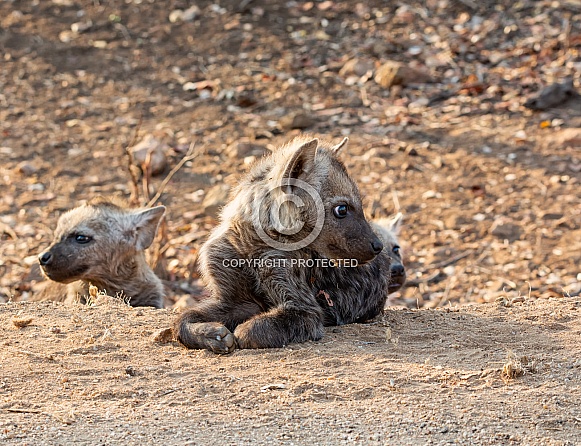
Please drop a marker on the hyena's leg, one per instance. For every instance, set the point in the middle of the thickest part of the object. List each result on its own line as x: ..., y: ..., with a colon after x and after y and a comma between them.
x: 279, y: 327
x: 208, y: 325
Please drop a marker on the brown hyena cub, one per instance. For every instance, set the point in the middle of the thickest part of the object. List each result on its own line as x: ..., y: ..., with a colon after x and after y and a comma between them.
x: 293, y: 253
x: 102, y: 244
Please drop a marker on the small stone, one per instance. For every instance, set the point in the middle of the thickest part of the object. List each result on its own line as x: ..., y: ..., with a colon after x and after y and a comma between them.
x: 157, y: 161
x: 431, y: 194
x: 573, y: 289
x: 396, y: 73
x: 411, y: 151
x: 191, y: 13
x: 552, y: 96
x: 505, y: 230
x: 162, y: 336
x: 552, y: 216
x: 356, y: 66
x: 21, y: 322
x: 101, y: 44
x: 246, y: 99
x: 242, y: 149
x: 176, y: 15
x: 450, y: 270
x: 80, y: 27
x: 190, y: 86
x: 67, y: 36
x: 296, y: 120
x: 26, y: 169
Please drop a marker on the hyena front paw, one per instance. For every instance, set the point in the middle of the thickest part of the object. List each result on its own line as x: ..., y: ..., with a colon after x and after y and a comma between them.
x: 212, y: 336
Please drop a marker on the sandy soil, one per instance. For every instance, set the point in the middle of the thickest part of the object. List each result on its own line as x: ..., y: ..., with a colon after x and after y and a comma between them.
x: 490, y: 191
x: 93, y: 375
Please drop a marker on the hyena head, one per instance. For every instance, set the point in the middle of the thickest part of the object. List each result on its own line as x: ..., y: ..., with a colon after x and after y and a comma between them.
x: 99, y: 241
x: 388, y: 231
x: 315, y: 192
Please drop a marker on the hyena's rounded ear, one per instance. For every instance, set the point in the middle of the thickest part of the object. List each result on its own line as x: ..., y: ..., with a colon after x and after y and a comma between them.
x: 145, y: 224
x: 337, y: 148
x: 302, y: 160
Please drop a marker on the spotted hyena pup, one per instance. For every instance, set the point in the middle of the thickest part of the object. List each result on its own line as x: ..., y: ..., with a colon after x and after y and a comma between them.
x: 102, y: 244
x: 271, y: 281
x: 388, y: 230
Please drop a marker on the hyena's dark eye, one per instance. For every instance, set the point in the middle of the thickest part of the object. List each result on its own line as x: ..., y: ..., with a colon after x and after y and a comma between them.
x: 340, y: 211
x: 82, y: 239
x: 396, y: 249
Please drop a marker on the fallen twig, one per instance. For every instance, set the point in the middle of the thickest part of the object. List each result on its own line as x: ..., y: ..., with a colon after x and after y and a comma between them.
x: 11, y: 409
x: 63, y: 419
x: 8, y: 230
x: 146, y: 178
x: 130, y: 162
x: 33, y: 354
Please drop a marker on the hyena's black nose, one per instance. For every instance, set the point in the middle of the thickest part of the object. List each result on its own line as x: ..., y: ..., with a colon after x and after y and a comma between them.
x: 397, y: 270
x: 376, y: 246
x: 45, y: 258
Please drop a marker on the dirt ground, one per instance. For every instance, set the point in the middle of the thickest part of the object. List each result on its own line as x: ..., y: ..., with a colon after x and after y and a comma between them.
x: 93, y: 375
x: 490, y: 191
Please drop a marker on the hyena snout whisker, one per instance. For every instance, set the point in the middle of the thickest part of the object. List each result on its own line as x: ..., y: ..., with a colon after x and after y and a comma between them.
x: 45, y: 258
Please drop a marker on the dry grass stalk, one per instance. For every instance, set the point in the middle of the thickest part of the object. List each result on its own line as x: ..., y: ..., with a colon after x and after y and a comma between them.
x: 517, y: 366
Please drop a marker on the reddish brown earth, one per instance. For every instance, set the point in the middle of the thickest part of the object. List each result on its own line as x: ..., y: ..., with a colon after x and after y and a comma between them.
x: 490, y: 191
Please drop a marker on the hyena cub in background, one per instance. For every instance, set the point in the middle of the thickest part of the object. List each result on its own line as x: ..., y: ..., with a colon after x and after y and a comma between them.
x: 267, y: 288
x: 388, y: 230
x: 102, y: 244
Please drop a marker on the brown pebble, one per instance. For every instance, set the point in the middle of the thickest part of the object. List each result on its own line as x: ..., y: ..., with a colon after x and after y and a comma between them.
x: 296, y: 120
x: 21, y: 322
x: 27, y: 169
x: 162, y: 336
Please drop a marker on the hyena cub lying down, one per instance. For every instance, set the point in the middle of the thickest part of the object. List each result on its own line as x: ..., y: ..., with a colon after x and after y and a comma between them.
x: 272, y: 285
x: 102, y: 244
